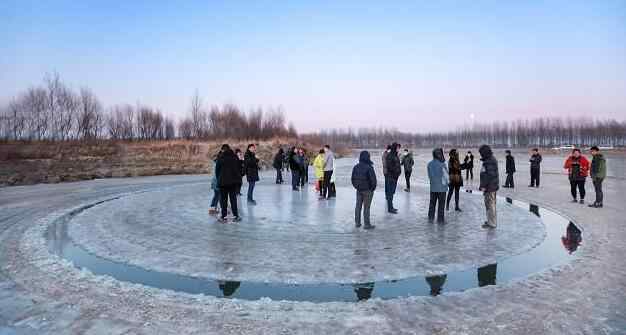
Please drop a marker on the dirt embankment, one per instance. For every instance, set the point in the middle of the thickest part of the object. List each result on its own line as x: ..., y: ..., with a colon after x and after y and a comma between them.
x: 32, y: 163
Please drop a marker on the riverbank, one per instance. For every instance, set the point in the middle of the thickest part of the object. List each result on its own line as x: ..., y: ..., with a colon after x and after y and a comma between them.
x: 49, y: 162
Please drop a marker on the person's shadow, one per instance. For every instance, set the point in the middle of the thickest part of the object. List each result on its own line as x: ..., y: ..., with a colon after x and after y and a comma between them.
x: 572, y: 239
x: 487, y: 275
x: 534, y: 209
x: 363, y: 290
x: 436, y: 284
x: 228, y: 288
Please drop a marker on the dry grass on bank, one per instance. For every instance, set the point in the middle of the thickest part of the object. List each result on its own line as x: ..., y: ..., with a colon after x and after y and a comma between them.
x: 23, y: 163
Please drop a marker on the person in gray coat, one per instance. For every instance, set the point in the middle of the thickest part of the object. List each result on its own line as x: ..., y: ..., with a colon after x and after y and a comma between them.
x: 407, y: 163
x: 329, y: 164
x: 438, y: 176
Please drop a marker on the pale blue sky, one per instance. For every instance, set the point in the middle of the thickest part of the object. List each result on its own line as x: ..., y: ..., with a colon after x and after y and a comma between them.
x: 414, y: 65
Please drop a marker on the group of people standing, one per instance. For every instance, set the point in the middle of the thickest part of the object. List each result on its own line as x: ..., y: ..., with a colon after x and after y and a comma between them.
x: 448, y: 178
x: 298, y: 163
x: 578, y: 169
x: 230, y: 168
x: 324, y: 168
x: 445, y: 178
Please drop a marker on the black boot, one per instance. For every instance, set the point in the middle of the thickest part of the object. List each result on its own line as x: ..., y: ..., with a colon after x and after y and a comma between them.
x: 390, y: 208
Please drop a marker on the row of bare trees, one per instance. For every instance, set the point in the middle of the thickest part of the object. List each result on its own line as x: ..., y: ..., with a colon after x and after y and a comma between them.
x: 55, y: 112
x: 52, y: 112
x: 229, y: 121
x: 541, y: 132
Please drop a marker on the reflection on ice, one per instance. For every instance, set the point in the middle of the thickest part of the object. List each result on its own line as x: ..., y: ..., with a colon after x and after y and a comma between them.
x: 547, y: 254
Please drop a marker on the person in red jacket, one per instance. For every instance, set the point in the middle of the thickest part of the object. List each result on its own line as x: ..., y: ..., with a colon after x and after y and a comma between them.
x: 577, y: 169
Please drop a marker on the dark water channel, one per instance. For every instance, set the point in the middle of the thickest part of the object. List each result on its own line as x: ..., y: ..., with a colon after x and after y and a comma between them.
x: 562, y: 240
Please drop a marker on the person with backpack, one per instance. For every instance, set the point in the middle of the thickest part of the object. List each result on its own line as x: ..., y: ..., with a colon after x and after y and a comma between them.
x: 394, y: 169
x: 489, y: 184
x: 455, y: 171
x: 278, y: 165
x: 535, y: 168
x: 598, y: 173
x: 407, y: 163
x: 364, y: 181
x: 439, y: 179
x: 577, y: 167
x: 251, y: 168
x: 228, y: 171
x: 510, y: 170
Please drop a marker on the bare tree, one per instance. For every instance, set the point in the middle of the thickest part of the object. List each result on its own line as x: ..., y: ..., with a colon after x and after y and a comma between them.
x: 53, y: 87
x: 69, y: 107
x: 16, y: 120
x: 198, y: 117
x: 90, y: 120
x: 169, y: 129
x: 185, y: 129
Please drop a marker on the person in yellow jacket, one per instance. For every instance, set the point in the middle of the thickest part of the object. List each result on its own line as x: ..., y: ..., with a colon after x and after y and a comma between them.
x: 318, y: 164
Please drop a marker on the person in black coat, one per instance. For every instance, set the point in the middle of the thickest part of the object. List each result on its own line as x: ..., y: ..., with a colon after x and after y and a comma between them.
x: 364, y: 181
x: 469, y: 162
x: 228, y: 170
x: 535, y: 168
x: 294, y: 166
x: 251, y: 168
x: 278, y: 165
x: 394, y: 169
x: 510, y: 170
x: 489, y: 184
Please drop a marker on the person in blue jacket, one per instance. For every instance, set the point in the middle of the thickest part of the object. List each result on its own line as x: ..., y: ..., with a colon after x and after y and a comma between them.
x: 439, y: 180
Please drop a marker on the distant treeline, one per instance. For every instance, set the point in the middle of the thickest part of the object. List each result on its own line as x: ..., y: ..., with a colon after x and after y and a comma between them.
x: 55, y: 112
x: 541, y: 132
